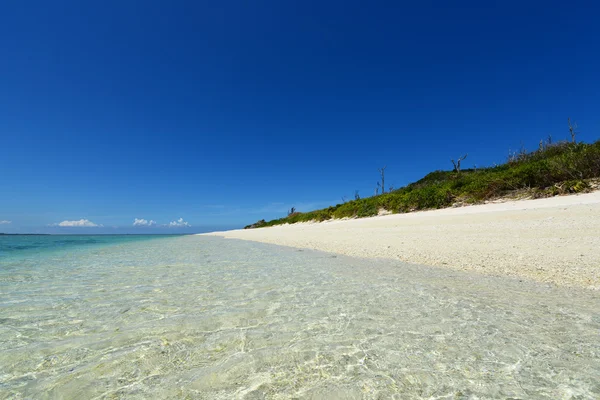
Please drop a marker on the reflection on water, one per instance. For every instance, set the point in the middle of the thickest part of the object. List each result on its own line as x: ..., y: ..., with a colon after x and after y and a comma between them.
x: 202, y: 317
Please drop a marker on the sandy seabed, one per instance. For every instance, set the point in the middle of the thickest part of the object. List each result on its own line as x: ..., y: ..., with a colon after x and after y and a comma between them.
x: 554, y: 240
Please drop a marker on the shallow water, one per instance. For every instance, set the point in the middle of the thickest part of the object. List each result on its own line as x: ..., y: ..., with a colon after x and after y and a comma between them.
x: 208, y: 318
x: 23, y: 246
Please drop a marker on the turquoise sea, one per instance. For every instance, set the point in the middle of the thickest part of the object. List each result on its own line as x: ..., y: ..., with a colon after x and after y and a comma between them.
x: 139, y: 317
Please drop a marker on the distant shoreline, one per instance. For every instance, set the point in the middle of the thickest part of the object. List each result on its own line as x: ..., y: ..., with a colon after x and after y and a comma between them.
x: 551, y: 240
x: 24, y: 234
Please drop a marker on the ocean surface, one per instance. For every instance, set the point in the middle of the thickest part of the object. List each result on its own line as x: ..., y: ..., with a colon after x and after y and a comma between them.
x: 193, y: 317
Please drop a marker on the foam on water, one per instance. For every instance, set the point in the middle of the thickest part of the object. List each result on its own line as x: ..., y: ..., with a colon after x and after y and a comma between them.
x: 203, y: 317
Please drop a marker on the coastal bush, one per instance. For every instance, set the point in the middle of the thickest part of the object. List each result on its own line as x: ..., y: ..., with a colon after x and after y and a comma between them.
x: 575, y: 186
x: 367, y: 209
x: 425, y: 197
x: 258, y: 224
x: 553, y: 169
x: 349, y: 209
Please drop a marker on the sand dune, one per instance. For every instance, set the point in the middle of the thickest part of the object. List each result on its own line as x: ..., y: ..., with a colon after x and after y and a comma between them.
x: 554, y: 240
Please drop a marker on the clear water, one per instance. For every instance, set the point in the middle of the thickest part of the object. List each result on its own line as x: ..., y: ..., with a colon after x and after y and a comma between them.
x: 22, y: 246
x: 208, y: 318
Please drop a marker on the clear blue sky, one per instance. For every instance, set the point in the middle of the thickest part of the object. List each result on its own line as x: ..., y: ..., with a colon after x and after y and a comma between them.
x: 221, y: 113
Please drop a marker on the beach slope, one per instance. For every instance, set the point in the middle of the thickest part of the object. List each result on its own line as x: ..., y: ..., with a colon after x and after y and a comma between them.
x: 554, y: 240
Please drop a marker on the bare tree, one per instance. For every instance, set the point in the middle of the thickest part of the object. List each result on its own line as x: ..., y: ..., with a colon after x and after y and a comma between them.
x: 291, y: 211
x: 382, y: 172
x: 344, y: 199
x: 356, y: 195
x: 457, y: 163
x: 572, y: 130
x: 377, y: 189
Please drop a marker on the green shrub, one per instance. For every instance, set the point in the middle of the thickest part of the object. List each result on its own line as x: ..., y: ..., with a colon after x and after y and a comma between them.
x: 576, y: 186
x: 367, y: 209
x: 430, y: 197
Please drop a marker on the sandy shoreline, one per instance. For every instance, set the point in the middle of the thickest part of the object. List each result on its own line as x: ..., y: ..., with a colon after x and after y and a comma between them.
x: 554, y: 240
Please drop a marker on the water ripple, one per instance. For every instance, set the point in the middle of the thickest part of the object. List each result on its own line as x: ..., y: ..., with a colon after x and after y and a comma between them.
x: 156, y: 319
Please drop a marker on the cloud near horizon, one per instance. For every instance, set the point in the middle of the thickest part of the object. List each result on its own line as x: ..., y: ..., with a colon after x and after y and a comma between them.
x: 179, y: 223
x: 82, y: 223
x: 5, y: 222
x: 143, y: 222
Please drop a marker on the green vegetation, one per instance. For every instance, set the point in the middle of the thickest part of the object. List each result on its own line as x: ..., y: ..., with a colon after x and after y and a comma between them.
x: 555, y: 168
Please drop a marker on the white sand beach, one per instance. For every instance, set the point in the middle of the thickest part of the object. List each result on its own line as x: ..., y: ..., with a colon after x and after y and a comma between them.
x: 554, y: 240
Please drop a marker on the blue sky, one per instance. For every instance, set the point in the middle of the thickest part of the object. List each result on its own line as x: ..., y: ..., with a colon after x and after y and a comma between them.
x: 217, y: 114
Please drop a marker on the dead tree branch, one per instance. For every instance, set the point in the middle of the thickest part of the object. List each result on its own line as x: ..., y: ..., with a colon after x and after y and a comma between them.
x: 457, y: 163
x: 382, y: 172
x: 572, y: 130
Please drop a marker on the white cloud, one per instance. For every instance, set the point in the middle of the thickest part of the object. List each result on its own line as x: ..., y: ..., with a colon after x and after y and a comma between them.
x: 5, y: 222
x: 179, y: 223
x: 82, y: 223
x: 143, y: 222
